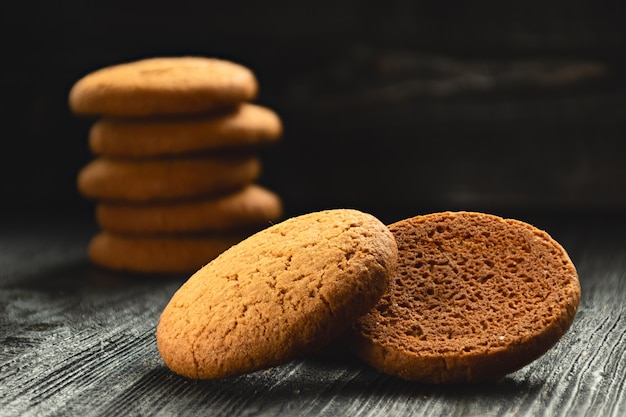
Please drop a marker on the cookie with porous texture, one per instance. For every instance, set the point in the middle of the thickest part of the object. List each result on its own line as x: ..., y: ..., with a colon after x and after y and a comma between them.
x: 168, y: 179
x: 159, y: 254
x: 250, y: 208
x: 246, y: 126
x: 283, y: 292
x: 163, y: 86
x: 474, y: 297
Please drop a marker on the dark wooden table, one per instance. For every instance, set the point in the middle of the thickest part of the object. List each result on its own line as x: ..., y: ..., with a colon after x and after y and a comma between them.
x: 76, y: 340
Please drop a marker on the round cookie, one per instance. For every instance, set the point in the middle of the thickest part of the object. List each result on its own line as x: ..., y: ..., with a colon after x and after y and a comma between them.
x: 283, y: 292
x: 246, y: 126
x: 165, y: 179
x: 474, y: 297
x: 250, y: 208
x: 157, y: 254
x: 163, y: 85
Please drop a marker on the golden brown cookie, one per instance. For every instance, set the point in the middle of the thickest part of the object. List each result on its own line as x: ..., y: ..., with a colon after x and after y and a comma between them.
x: 157, y: 254
x: 251, y: 208
x: 163, y: 85
x: 165, y: 179
x: 248, y: 125
x: 283, y: 292
x: 474, y: 297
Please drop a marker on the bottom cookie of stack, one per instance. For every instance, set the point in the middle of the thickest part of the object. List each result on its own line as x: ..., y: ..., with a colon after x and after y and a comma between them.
x: 159, y: 254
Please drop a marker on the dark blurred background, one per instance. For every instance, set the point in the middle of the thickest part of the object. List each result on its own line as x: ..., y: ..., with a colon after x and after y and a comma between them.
x: 396, y: 108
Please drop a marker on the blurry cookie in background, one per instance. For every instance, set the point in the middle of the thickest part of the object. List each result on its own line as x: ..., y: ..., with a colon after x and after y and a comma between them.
x: 246, y: 126
x: 163, y: 86
x: 250, y: 208
x: 158, y: 254
x: 166, y: 179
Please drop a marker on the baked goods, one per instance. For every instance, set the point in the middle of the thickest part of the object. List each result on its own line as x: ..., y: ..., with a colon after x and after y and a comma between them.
x: 158, y: 254
x: 168, y: 179
x: 251, y: 208
x: 474, y: 297
x: 163, y: 85
x: 246, y: 126
x: 175, y: 141
x: 283, y: 292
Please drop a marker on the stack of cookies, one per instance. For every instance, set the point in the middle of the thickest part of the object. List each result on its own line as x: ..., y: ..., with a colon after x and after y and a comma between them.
x: 175, y: 143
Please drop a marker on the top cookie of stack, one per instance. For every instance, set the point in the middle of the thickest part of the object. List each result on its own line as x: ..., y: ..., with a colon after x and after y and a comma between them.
x: 174, y: 169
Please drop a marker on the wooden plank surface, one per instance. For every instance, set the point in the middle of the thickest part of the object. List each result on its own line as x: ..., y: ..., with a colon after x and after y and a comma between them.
x: 79, y: 341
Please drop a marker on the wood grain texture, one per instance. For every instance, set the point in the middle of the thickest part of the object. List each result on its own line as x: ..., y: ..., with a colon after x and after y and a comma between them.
x: 79, y: 341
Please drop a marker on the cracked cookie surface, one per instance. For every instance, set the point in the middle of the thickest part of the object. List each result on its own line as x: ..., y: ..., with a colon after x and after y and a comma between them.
x: 283, y: 292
